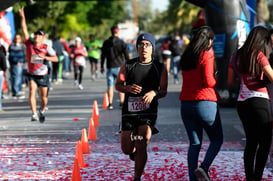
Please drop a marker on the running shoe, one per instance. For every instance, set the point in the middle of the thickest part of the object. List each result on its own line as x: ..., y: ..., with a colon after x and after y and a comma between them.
x: 201, y: 174
x: 132, y: 156
x: 110, y: 107
x: 42, y: 116
x: 80, y: 87
x: 93, y: 77
x: 34, y: 117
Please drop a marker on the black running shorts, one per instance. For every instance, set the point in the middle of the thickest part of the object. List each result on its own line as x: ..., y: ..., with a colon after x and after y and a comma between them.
x: 40, y: 80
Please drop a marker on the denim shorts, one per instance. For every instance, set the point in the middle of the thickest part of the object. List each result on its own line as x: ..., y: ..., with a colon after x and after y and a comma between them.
x: 112, y: 74
x: 40, y: 80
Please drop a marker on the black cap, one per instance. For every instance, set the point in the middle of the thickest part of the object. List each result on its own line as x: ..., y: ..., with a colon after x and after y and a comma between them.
x: 39, y: 32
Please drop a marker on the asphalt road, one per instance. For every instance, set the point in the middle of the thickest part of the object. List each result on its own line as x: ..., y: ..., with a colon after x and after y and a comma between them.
x: 69, y: 112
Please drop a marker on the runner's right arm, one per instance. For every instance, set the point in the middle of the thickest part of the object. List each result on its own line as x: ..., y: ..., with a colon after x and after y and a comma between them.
x: 24, y: 24
x: 120, y: 83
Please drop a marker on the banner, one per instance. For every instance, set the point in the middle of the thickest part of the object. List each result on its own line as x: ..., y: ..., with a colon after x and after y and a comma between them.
x: 7, y: 30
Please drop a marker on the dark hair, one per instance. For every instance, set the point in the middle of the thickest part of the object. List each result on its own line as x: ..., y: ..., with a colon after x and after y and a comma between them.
x: 39, y: 32
x: 198, y: 43
x: 271, y: 31
x: 257, y: 41
x: 91, y: 36
x: 114, y: 29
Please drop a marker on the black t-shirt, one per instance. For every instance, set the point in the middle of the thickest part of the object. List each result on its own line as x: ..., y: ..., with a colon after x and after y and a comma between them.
x: 115, y: 51
x: 146, y: 75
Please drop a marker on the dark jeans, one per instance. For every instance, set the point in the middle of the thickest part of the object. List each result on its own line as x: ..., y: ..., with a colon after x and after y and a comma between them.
x: 16, y: 78
x: 176, y: 66
x: 198, y: 116
x: 255, y: 114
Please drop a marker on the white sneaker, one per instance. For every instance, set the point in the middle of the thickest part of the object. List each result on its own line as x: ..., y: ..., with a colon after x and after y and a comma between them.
x: 80, y: 87
x: 66, y: 74
x: 21, y: 93
x: 21, y: 97
x: 34, y: 117
x: 93, y: 77
x: 75, y: 82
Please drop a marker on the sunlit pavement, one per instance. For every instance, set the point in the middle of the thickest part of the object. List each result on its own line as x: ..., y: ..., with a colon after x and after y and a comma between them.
x: 35, y: 151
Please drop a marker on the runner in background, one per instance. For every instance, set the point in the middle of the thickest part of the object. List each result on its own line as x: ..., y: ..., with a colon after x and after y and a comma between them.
x: 93, y: 47
x: 37, y: 55
x: 78, y: 53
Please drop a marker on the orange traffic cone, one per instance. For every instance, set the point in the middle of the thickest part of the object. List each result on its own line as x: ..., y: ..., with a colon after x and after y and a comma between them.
x: 96, y: 113
x: 76, y: 173
x: 92, y: 131
x: 84, y: 140
x: 105, y: 101
x: 79, y: 154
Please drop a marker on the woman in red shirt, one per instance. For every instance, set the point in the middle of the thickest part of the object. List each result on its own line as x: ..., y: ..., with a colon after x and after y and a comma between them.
x: 199, y: 108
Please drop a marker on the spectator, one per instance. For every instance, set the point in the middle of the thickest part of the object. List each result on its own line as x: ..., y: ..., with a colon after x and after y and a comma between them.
x: 199, y: 108
x: 176, y: 52
x: 17, y: 54
x: 166, y: 53
x: 3, y: 67
x: 115, y: 51
x: 66, y: 53
x: 251, y: 63
x: 57, y: 74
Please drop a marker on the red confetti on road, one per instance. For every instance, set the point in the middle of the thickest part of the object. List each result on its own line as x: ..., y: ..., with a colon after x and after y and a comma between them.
x: 37, y: 158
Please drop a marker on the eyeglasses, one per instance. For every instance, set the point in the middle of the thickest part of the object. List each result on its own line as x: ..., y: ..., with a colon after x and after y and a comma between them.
x: 144, y: 45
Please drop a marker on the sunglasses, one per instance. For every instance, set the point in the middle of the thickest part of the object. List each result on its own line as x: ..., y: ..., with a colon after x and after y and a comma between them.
x: 144, y: 45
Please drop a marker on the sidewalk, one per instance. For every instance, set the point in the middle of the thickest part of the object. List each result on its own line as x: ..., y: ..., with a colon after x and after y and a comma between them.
x: 35, y: 151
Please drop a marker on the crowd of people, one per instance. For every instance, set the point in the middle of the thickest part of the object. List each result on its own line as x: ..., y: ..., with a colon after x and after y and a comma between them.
x: 140, y: 81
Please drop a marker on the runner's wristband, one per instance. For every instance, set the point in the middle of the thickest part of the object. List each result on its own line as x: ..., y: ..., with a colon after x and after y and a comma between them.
x: 156, y: 92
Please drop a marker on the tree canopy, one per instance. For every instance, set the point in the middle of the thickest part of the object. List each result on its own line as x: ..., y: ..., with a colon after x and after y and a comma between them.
x: 73, y: 18
x: 81, y: 18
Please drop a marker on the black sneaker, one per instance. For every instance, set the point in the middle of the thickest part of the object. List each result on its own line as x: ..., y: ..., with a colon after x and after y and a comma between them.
x: 201, y: 174
x: 132, y: 156
x: 137, y: 179
x: 42, y: 116
x: 110, y: 107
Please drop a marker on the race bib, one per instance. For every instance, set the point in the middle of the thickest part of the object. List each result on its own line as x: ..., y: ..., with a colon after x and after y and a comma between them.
x: 80, y: 61
x: 136, y: 104
x: 36, y: 59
